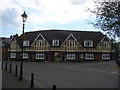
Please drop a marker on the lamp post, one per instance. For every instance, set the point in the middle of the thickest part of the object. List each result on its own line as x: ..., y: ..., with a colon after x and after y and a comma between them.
x: 24, y: 17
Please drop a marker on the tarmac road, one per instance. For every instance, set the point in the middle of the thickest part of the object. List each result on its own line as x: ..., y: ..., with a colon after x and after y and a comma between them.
x: 72, y: 74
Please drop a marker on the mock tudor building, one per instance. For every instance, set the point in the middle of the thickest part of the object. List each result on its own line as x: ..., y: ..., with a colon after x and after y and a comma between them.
x: 61, y: 45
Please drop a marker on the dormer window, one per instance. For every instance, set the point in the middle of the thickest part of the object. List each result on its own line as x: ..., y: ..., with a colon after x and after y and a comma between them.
x: 26, y: 43
x: 55, y: 42
x: 88, y: 43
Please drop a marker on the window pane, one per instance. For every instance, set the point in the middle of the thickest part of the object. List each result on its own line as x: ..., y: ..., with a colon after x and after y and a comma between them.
x: 12, y: 55
x: 88, y: 43
x: 25, y: 55
x: 55, y: 42
x: 25, y: 43
x: 106, y: 56
x: 70, y: 56
x: 89, y: 56
x: 40, y: 56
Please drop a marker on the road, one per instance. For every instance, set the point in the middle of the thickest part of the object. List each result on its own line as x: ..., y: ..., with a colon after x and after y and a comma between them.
x: 71, y: 74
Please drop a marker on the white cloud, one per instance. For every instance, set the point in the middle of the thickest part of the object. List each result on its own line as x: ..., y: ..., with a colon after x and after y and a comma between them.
x: 61, y: 11
x: 5, y: 4
x: 39, y: 28
x: 9, y: 14
x: 36, y: 29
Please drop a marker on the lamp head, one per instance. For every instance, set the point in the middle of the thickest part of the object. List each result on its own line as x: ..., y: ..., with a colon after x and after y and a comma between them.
x: 24, y: 16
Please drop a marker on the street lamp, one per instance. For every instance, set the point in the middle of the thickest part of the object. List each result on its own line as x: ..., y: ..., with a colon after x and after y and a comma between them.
x: 24, y: 17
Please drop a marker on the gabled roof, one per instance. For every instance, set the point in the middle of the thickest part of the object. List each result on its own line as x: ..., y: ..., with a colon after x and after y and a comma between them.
x: 71, y: 37
x: 38, y: 37
x: 62, y: 35
x: 17, y: 39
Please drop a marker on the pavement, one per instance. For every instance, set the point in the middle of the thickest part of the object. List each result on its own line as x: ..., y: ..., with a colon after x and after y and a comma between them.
x: 9, y: 80
x: 115, y: 68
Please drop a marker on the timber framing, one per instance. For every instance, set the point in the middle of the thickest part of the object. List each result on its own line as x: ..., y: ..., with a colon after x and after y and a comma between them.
x: 70, y: 46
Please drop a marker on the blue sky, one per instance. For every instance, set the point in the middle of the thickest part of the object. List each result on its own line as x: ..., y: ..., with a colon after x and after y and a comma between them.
x: 45, y: 15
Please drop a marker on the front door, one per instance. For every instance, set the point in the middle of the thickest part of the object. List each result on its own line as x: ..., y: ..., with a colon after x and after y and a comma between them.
x: 57, y: 56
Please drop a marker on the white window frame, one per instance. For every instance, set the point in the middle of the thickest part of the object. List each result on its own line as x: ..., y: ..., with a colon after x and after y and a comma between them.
x: 89, y: 56
x: 71, y: 56
x: 39, y: 55
x: 25, y: 56
x: 12, y: 55
x: 90, y: 43
x: 55, y: 42
x: 105, y: 56
x: 26, y: 43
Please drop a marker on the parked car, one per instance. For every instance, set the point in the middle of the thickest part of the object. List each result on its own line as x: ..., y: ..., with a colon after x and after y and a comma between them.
x: 118, y: 61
